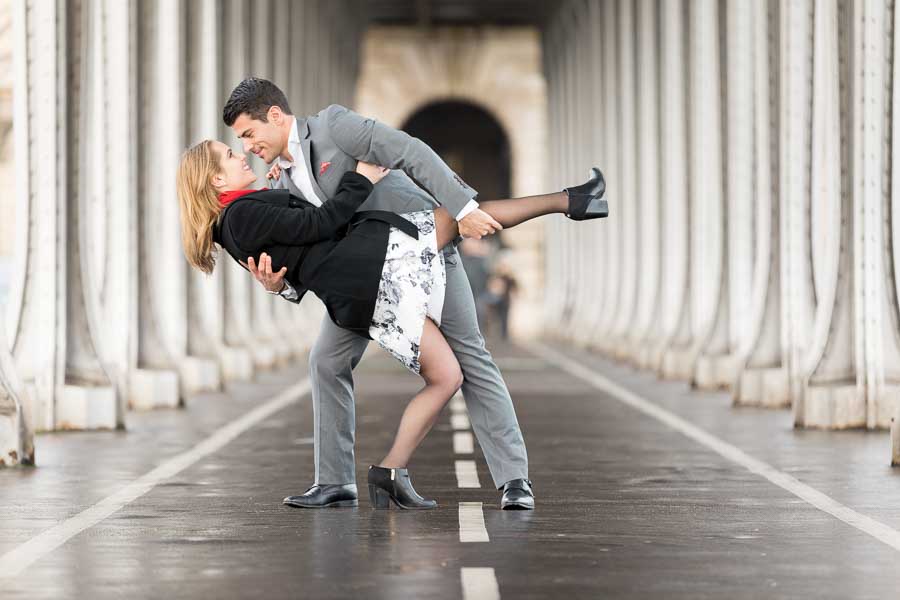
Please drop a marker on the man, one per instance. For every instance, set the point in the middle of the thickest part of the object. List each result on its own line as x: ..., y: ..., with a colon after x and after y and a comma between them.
x: 313, y: 153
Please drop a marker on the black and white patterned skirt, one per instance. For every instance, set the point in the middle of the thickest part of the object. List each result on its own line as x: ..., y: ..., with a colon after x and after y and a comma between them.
x: 412, y: 289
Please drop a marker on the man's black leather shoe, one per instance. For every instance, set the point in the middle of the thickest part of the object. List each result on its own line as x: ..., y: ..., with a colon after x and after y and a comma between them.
x: 588, y: 200
x: 517, y: 495
x: 325, y: 496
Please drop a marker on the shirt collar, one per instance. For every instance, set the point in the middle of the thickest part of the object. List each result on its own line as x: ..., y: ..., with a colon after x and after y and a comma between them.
x: 293, y: 147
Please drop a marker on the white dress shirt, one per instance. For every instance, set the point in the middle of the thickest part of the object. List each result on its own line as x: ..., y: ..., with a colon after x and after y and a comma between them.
x: 301, y: 177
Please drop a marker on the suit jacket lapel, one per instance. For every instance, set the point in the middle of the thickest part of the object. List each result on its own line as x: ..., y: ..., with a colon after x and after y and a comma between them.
x: 307, y: 158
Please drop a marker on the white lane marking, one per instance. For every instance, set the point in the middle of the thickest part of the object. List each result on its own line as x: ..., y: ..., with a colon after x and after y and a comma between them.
x: 21, y: 557
x: 459, y: 421
x: 471, y: 523
x: 827, y: 504
x: 463, y: 443
x: 467, y: 474
x: 479, y: 583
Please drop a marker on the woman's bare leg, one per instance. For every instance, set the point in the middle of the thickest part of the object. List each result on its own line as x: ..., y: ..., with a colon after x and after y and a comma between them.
x: 508, y: 213
x: 439, y: 367
x: 443, y: 376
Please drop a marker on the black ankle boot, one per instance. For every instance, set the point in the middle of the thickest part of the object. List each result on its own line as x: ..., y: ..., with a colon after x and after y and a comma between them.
x: 588, y: 200
x: 386, y: 485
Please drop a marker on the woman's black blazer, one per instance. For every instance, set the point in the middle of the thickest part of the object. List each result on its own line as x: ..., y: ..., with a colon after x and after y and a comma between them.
x: 332, y: 250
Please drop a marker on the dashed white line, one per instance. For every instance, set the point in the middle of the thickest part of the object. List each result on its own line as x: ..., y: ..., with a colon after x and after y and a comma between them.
x: 21, y: 557
x: 876, y: 529
x: 467, y: 474
x: 479, y: 583
x: 471, y: 523
x: 463, y: 442
x: 457, y: 404
x: 459, y: 421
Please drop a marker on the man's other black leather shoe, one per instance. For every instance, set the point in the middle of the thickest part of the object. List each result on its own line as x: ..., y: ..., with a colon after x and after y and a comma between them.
x: 325, y: 496
x: 517, y: 495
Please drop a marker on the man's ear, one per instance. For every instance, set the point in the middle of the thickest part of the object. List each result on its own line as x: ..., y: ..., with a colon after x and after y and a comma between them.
x: 275, y: 115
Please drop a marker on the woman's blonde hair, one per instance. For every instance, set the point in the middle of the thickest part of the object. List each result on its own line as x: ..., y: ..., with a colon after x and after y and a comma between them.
x: 198, y: 202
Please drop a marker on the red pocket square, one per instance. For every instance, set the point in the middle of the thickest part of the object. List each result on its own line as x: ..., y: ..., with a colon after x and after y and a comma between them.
x: 323, y: 167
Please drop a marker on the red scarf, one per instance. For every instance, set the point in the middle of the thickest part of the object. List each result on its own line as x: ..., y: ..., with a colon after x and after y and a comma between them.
x: 226, y: 198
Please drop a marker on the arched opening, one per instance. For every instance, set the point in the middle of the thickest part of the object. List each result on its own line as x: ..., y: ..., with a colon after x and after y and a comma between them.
x: 474, y: 145
x: 470, y: 140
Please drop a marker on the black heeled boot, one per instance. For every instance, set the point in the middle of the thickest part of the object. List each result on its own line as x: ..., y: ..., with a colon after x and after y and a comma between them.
x: 386, y: 485
x: 588, y: 200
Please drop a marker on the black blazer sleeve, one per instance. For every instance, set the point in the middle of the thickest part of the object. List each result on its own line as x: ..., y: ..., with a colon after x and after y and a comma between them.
x: 261, y: 223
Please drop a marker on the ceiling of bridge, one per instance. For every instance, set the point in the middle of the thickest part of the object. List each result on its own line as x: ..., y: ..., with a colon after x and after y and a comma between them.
x: 459, y: 12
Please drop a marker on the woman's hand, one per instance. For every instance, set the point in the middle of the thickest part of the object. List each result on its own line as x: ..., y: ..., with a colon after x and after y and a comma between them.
x: 373, y: 173
x: 274, y: 173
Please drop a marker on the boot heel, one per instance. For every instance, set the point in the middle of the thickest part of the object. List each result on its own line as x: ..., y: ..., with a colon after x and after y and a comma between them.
x: 379, y: 497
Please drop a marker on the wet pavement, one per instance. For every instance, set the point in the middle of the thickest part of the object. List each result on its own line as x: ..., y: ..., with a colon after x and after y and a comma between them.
x: 627, y: 507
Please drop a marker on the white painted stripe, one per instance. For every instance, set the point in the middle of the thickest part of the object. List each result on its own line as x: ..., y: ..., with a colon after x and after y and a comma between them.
x: 479, y: 583
x: 876, y: 529
x: 21, y: 557
x: 459, y: 421
x: 463, y: 443
x: 467, y: 474
x: 471, y: 523
x: 457, y: 404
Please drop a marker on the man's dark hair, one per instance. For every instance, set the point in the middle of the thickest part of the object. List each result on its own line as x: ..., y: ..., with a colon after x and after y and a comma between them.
x: 254, y: 96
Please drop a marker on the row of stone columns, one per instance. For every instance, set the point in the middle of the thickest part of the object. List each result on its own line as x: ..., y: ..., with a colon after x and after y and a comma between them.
x: 103, y: 312
x: 752, y: 242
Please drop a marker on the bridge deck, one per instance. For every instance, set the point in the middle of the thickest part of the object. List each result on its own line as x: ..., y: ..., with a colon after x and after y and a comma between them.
x: 628, y: 505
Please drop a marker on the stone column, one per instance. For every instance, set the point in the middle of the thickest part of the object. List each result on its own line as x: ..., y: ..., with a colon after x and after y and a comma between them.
x: 284, y: 314
x: 762, y: 379
x: 796, y: 95
x: 612, y: 162
x: 674, y: 316
x: 53, y: 337
x: 649, y: 197
x: 702, y: 357
x: 550, y: 55
x: 16, y: 430
x: 206, y: 293
x: 239, y: 285
x: 627, y: 178
x: 264, y: 16
x: 166, y: 373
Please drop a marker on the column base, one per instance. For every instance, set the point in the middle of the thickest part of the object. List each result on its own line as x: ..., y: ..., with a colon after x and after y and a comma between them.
x: 11, y: 443
x: 264, y: 356
x: 887, y: 407
x: 86, y: 407
x: 199, y: 375
x: 153, y: 388
x: 763, y: 387
x: 715, y: 372
x: 645, y: 356
x: 832, y: 407
x: 677, y: 364
x: 284, y: 353
x: 237, y: 364
x: 895, y: 439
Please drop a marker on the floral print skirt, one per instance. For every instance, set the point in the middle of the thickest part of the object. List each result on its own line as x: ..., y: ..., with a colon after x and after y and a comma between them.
x: 411, y: 289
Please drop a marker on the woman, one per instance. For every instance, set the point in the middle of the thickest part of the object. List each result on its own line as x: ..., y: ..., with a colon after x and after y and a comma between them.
x: 379, y: 274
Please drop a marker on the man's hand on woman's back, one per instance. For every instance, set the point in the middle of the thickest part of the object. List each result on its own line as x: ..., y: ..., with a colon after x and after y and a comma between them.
x: 273, y: 282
